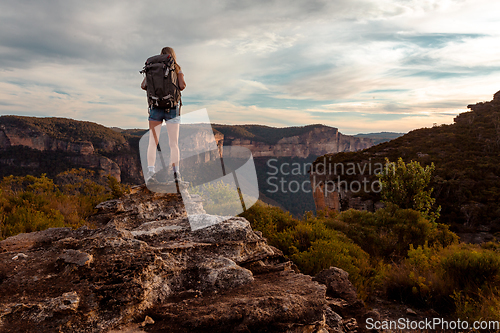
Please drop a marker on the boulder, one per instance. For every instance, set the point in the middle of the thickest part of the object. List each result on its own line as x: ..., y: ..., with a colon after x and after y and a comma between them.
x: 140, y: 259
x: 343, y: 301
x: 337, y: 284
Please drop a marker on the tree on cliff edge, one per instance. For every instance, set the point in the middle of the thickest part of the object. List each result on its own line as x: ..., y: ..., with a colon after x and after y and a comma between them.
x: 407, y: 186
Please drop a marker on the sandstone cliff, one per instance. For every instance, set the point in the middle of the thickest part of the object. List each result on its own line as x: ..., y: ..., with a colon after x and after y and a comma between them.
x: 317, y: 140
x: 466, y: 155
x: 143, y: 269
x: 30, y: 145
x: 83, y: 144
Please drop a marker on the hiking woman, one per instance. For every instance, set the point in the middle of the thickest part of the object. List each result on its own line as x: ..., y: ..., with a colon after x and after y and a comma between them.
x: 171, y: 117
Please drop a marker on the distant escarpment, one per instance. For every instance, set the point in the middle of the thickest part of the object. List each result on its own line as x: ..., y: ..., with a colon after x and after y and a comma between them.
x: 52, y: 145
x: 30, y: 145
x: 466, y: 180
x: 301, y: 142
x: 279, y: 148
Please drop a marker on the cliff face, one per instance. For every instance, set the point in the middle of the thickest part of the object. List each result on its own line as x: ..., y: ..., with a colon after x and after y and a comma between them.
x: 193, y: 140
x: 82, y: 144
x: 318, y: 141
x: 143, y: 263
x: 111, y: 154
x: 17, y: 133
x: 11, y: 136
x: 466, y: 156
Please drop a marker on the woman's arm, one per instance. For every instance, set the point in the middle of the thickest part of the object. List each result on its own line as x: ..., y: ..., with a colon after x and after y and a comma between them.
x: 180, y: 79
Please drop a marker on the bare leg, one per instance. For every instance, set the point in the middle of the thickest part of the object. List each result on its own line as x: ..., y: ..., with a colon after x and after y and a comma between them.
x: 173, y: 142
x: 154, y: 138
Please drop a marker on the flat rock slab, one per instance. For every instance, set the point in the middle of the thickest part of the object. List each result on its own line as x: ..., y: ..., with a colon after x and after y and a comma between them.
x: 274, y: 302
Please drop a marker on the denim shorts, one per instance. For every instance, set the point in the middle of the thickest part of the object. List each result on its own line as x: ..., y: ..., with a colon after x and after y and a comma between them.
x: 170, y: 115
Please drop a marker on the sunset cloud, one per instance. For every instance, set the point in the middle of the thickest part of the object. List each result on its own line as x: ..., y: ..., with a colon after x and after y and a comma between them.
x: 361, y: 66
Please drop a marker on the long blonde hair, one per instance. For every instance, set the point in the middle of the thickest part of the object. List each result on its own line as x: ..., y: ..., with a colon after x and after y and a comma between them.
x: 169, y: 50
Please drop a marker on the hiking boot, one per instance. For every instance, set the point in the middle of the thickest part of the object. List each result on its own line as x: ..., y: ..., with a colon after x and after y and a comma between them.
x: 151, y: 178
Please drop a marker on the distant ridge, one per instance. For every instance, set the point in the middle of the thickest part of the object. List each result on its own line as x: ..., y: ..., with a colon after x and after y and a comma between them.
x: 380, y: 136
x: 66, y: 129
x: 266, y: 134
x: 51, y: 145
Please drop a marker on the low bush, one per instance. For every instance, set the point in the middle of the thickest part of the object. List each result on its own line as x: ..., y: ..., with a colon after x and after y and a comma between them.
x: 395, y: 251
x: 388, y: 232
x: 460, y: 278
x: 470, y: 267
x: 31, y: 203
x: 269, y: 220
x: 312, y: 246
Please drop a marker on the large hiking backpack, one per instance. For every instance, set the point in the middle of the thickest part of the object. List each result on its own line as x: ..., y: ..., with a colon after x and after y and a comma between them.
x: 161, y: 81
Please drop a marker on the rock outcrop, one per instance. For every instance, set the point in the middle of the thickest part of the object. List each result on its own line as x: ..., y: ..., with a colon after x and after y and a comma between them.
x: 318, y: 141
x: 116, y: 153
x: 111, y: 152
x: 11, y: 136
x: 143, y: 268
x: 16, y: 132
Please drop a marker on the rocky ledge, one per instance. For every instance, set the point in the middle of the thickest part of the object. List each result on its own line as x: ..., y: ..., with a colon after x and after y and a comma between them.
x: 142, y: 269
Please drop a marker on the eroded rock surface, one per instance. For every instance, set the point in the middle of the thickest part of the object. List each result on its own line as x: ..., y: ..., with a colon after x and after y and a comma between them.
x: 142, y: 269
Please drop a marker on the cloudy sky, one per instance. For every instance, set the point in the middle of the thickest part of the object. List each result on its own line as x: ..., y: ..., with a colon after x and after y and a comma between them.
x: 362, y: 66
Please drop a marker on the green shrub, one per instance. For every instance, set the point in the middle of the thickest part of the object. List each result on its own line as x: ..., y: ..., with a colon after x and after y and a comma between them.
x: 389, y: 231
x: 407, y: 186
x: 312, y: 246
x: 27, y: 219
x: 470, y: 267
x: 36, y: 203
x: 117, y: 189
x: 418, y: 280
x: 336, y: 251
x: 302, y: 235
x: 269, y: 220
x: 483, y: 306
x: 86, y: 189
x: 28, y: 205
x: 460, y: 278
